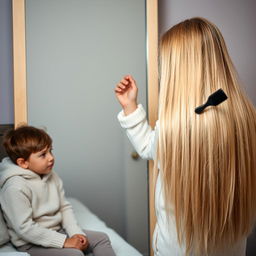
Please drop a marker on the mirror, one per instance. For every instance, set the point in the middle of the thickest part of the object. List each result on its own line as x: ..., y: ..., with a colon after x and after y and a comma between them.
x: 74, y: 54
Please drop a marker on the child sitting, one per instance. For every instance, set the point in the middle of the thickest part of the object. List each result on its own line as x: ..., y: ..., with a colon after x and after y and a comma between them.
x: 40, y: 220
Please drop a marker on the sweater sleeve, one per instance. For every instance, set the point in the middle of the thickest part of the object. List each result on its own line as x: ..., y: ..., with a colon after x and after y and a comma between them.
x: 16, y: 205
x: 69, y: 222
x: 141, y: 135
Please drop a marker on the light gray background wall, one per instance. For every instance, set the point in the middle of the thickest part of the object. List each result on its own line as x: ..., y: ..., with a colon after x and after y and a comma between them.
x: 77, y: 51
x: 6, y: 71
x: 235, y: 18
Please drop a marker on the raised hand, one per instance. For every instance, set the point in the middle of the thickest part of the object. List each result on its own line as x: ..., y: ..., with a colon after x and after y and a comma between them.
x: 126, y: 92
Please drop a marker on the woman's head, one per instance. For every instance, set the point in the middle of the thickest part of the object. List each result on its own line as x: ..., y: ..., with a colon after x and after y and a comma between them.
x: 194, y: 62
x: 207, y: 161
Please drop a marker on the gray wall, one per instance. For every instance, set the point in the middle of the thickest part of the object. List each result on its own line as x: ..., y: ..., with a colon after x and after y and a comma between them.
x: 235, y: 18
x: 6, y: 71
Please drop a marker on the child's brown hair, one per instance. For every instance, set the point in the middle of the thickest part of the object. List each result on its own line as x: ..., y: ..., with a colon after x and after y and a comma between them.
x: 25, y: 140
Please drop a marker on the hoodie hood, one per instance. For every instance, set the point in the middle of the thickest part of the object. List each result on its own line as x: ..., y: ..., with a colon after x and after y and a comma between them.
x: 8, y: 169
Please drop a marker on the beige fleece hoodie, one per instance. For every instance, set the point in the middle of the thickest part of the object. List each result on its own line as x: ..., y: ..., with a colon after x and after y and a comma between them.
x: 35, y: 208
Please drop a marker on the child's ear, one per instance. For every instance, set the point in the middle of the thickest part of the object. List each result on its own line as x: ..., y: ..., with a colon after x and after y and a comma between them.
x: 21, y: 162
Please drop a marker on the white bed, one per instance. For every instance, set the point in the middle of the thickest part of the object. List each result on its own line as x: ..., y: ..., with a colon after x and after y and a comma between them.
x: 88, y: 220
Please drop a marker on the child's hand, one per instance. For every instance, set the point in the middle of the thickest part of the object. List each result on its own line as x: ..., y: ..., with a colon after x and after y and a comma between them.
x: 126, y: 92
x: 74, y: 242
x: 83, y: 240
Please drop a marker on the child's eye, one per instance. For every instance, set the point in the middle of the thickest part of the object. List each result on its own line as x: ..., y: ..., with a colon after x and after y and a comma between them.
x: 43, y: 155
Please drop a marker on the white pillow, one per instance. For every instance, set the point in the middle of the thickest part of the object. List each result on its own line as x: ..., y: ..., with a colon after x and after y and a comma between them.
x: 4, y: 236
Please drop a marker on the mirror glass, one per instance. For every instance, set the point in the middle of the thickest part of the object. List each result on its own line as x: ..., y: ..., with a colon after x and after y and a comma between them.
x: 76, y: 52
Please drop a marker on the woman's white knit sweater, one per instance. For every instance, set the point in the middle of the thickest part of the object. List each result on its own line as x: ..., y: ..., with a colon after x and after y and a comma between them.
x: 35, y: 208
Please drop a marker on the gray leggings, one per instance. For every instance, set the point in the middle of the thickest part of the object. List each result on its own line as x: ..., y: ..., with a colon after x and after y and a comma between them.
x: 99, y: 245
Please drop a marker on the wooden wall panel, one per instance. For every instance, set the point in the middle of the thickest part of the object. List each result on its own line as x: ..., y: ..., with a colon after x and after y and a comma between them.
x: 152, y: 62
x: 19, y: 62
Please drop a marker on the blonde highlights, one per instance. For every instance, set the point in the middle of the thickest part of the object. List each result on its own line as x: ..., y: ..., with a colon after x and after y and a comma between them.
x: 207, y: 161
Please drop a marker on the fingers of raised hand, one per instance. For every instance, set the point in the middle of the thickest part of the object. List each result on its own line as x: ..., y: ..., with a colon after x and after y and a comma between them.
x: 130, y: 79
x: 118, y: 89
x: 121, y: 86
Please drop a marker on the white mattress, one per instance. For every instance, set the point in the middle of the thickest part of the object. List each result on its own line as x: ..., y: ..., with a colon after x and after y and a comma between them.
x: 88, y: 220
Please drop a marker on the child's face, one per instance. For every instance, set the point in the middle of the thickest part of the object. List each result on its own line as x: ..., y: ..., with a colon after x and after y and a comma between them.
x: 41, y: 162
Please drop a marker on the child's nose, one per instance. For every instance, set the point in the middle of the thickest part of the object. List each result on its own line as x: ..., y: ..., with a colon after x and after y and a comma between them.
x: 50, y: 157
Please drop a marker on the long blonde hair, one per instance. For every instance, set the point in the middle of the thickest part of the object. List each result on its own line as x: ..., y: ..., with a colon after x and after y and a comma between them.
x: 207, y: 161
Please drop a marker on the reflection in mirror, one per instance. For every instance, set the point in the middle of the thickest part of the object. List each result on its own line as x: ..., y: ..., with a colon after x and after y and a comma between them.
x: 76, y: 52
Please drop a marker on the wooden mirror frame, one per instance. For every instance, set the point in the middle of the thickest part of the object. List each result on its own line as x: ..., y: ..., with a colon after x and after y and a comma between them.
x: 20, y: 91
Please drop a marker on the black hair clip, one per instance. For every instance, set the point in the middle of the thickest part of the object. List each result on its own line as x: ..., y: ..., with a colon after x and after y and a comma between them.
x: 213, y: 100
